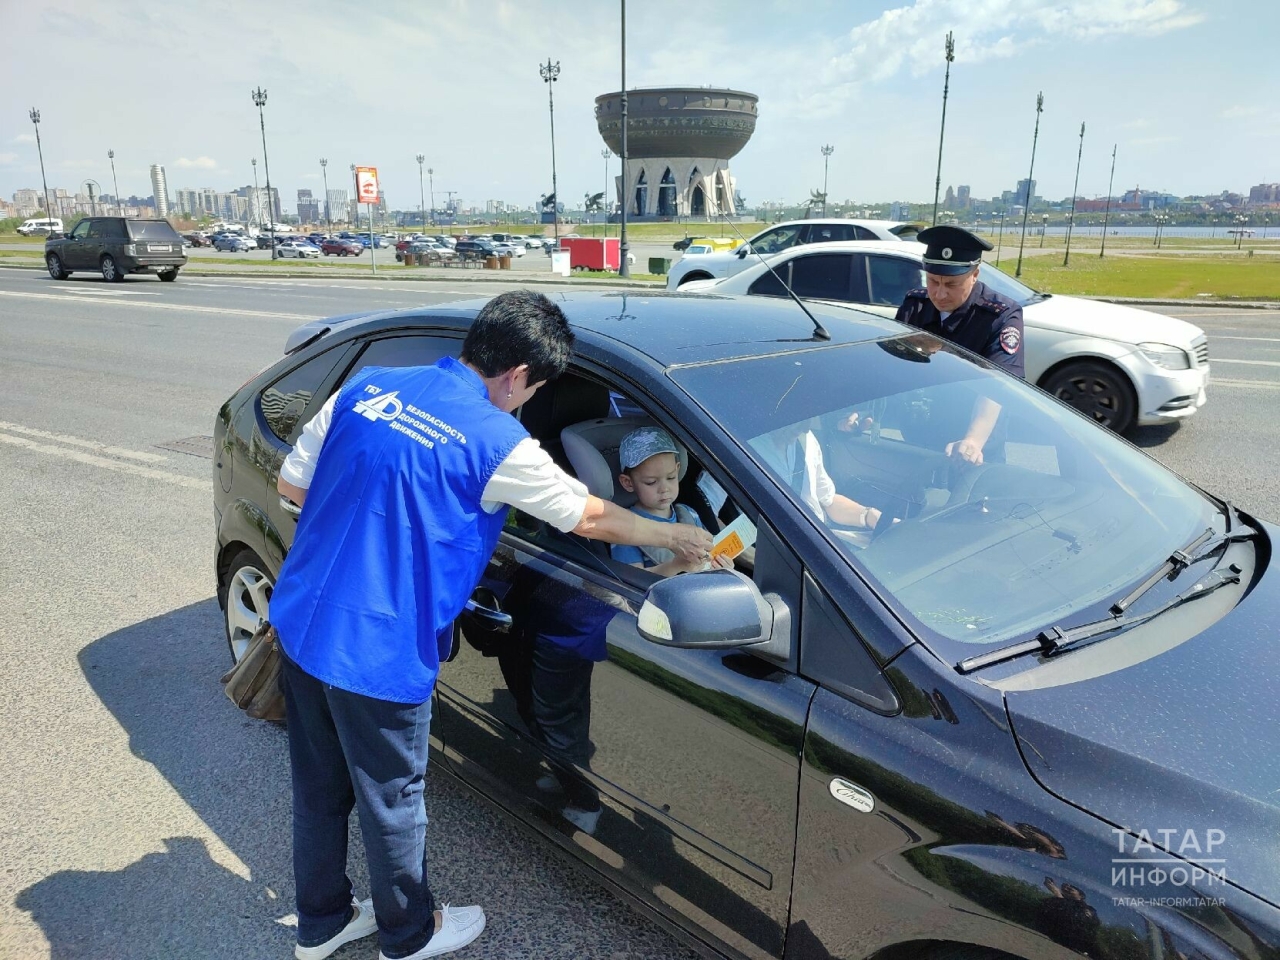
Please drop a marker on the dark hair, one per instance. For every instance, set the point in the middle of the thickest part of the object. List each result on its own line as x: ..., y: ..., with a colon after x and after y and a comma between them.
x: 515, y: 328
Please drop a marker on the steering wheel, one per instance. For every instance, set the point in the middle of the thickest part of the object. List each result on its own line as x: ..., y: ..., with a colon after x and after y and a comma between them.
x: 959, y: 479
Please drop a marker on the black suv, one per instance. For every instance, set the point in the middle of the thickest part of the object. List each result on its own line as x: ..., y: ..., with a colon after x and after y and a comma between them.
x: 475, y: 249
x: 116, y: 246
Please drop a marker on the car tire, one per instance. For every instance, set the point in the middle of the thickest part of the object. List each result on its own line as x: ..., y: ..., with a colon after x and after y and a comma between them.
x: 1097, y: 389
x: 56, y: 269
x: 168, y: 276
x: 245, y: 596
x: 111, y: 271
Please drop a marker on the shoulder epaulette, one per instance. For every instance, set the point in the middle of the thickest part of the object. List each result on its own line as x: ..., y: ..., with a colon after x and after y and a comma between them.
x: 919, y: 293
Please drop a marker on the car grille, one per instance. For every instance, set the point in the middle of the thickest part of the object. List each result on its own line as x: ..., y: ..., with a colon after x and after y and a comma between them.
x: 1201, y: 348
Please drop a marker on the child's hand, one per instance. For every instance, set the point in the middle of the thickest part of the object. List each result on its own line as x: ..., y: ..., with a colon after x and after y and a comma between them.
x: 722, y: 562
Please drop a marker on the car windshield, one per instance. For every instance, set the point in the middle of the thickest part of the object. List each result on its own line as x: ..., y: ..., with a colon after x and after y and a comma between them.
x: 151, y: 230
x: 1005, y: 285
x: 1058, y: 518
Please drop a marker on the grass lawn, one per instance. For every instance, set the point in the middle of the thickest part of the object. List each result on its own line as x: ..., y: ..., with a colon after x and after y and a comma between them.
x: 1174, y: 278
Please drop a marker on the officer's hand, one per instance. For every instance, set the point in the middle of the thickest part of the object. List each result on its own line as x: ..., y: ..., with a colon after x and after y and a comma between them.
x: 855, y: 423
x: 967, y: 450
x: 690, y: 544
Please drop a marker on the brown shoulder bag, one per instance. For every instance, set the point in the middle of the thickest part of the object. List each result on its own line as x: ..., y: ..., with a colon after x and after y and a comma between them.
x: 253, y: 684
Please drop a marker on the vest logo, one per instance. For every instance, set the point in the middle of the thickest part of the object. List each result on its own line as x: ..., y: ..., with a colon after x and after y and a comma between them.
x: 385, y: 406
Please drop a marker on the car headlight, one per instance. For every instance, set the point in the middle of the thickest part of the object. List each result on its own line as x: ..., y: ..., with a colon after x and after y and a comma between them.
x: 130, y: 249
x: 1164, y: 355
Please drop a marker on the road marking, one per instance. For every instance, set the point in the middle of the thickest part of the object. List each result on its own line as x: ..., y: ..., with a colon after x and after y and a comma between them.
x: 160, y: 306
x: 85, y: 289
x: 87, y: 444
x: 130, y: 468
x: 1219, y: 336
x: 1257, y: 384
x: 1252, y: 363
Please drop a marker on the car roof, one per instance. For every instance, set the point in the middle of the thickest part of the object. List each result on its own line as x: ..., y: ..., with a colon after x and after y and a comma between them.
x: 670, y: 328
x: 821, y: 221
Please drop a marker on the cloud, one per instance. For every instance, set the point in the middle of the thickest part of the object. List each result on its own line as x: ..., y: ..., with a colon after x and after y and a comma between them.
x: 8, y: 158
x: 78, y: 164
x: 1241, y: 112
x: 199, y: 163
x: 25, y: 138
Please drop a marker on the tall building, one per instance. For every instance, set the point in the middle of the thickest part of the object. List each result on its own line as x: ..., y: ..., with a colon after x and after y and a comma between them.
x: 160, y: 189
x: 949, y: 202
x: 28, y: 202
x: 1025, y: 193
x: 308, y: 207
x: 1265, y: 193
x: 962, y: 196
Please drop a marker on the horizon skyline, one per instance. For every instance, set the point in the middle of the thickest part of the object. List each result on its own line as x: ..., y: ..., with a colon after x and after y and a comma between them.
x: 868, y: 80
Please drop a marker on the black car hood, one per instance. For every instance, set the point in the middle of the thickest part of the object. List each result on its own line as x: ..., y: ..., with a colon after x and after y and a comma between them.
x: 1188, y: 740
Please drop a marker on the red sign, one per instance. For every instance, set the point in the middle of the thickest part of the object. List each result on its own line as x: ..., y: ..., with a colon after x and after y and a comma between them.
x: 367, y: 184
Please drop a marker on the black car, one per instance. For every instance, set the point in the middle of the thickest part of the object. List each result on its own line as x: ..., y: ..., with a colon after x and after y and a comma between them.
x: 475, y: 249
x: 1030, y: 714
x: 116, y: 247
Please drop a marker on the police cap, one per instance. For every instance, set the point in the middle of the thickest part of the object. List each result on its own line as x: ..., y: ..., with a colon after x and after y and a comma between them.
x: 951, y: 250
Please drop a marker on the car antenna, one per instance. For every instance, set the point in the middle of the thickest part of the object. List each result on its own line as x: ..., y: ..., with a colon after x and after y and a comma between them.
x: 819, y: 331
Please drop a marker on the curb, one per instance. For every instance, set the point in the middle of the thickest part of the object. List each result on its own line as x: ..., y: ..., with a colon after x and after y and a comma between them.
x: 1202, y: 302
x: 508, y: 277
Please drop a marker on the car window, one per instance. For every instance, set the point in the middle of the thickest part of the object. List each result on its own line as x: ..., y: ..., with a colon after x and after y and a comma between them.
x: 415, y: 351
x: 1058, y: 520
x: 151, y: 230
x: 97, y: 229
x: 770, y: 283
x: 865, y: 234
x: 889, y: 279
x: 822, y: 275
x: 81, y: 230
x: 284, y: 401
x: 774, y: 240
x: 1005, y: 285
x: 830, y: 232
x: 905, y: 231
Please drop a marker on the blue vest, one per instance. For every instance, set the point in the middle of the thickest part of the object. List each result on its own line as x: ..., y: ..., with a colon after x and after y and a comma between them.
x: 392, y: 539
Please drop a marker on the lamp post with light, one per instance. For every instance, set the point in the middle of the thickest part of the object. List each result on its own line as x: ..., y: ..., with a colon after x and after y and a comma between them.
x: 111, y: 155
x: 422, y: 200
x: 260, y: 101
x: 550, y: 73
x: 328, y: 214
x: 34, y: 114
x: 1030, y: 174
x: 827, y: 150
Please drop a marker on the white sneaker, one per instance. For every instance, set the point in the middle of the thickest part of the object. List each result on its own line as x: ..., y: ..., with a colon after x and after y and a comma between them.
x: 584, y: 820
x: 459, y: 926
x: 361, y: 924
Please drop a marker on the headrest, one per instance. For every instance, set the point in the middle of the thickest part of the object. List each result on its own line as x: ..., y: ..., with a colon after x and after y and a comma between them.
x: 565, y: 401
x: 592, y: 449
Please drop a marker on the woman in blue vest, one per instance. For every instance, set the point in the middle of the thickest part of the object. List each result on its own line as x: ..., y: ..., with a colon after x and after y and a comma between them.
x: 405, y: 476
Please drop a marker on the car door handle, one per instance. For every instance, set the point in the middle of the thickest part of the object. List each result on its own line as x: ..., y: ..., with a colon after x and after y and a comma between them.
x: 494, y: 618
x: 289, y: 507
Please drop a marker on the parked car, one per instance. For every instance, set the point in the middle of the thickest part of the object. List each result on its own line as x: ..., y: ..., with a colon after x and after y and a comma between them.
x: 781, y: 237
x: 995, y: 728
x: 339, y: 247
x: 475, y: 249
x: 116, y: 247
x: 533, y: 243
x: 233, y: 243
x: 298, y: 249
x: 377, y: 241
x: 316, y: 238
x: 1115, y: 364
x: 197, y: 240
x: 424, y: 248
x: 41, y: 227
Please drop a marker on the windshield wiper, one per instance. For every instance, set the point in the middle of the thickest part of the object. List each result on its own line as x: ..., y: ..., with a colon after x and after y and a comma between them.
x: 1179, y: 560
x: 1055, y: 640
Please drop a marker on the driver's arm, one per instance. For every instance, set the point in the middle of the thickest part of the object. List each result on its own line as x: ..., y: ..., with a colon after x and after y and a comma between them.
x: 969, y: 447
x: 851, y: 513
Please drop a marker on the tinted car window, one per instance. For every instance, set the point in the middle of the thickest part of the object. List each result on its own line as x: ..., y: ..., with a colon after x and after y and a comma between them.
x: 829, y: 232
x: 824, y: 275
x: 152, y: 230
x: 97, y: 229
x: 769, y: 284
x: 404, y: 352
x: 81, y: 230
x: 1060, y: 518
x: 775, y: 240
x: 284, y: 402
x: 890, y: 278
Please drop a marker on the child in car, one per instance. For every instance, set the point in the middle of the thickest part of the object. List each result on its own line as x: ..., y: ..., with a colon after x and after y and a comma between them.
x: 651, y: 470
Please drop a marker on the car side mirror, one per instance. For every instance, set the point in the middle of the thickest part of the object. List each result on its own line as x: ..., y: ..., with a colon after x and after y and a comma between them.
x: 713, y: 609
x: 743, y: 251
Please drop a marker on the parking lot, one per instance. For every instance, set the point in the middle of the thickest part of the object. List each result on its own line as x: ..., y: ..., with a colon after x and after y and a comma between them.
x: 143, y: 791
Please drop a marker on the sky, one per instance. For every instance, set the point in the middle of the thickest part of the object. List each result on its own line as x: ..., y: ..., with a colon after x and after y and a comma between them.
x: 1184, y: 89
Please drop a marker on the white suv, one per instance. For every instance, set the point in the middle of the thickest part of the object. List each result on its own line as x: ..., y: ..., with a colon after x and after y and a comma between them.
x: 784, y: 236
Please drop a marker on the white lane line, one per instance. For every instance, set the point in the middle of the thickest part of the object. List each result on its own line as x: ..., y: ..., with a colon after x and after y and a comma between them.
x: 1252, y: 363
x: 1254, y: 384
x: 1219, y: 336
x: 130, y: 468
x: 87, y: 444
x: 160, y: 306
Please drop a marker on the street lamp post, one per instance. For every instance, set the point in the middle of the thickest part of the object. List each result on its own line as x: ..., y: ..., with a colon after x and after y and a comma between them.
x: 255, y: 207
x: 1107, y: 216
x: 623, y: 249
x: 1044, y: 228
x: 328, y: 214
x: 260, y: 101
x: 93, y: 206
x: 605, y: 154
x: 111, y: 155
x: 1241, y: 220
x: 431, y: 188
x: 1076, y: 186
x: 827, y: 150
x: 48, y: 209
x: 1000, y: 239
x: 946, y: 86
x: 422, y: 200
x: 550, y: 73
x: 1030, y: 173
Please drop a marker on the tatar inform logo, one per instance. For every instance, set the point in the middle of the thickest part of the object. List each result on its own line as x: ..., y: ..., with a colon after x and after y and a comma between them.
x: 385, y: 406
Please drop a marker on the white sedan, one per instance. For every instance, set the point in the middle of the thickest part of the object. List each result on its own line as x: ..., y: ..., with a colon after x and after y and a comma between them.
x: 300, y: 249
x: 1118, y: 365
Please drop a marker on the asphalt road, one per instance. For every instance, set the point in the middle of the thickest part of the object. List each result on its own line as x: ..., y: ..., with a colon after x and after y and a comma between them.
x: 147, y: 818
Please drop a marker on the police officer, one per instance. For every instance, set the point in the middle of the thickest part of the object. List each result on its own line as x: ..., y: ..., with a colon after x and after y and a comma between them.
x: 405, y: 477
x: 956, y: 306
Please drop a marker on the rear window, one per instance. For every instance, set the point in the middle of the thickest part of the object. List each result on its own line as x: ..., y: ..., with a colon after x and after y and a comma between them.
x: 152, y: 230
x: 905, y: 231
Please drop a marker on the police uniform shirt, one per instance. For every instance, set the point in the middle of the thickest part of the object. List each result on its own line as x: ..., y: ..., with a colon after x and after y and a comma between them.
x: 987, y: 324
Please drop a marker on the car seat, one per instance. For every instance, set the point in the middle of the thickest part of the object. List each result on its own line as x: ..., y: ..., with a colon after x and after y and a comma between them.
x: 591, y: 447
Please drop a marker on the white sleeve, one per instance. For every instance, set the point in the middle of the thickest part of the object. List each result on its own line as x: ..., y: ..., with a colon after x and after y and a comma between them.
x: 300, y: 466
x: 529, y: 480
x: 823, y: 486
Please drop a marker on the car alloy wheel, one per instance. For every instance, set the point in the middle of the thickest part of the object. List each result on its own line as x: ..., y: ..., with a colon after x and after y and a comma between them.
x: 110, y: 270
x: 247, y: 600
x: 54, y: 263
x: 1098, y: 390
